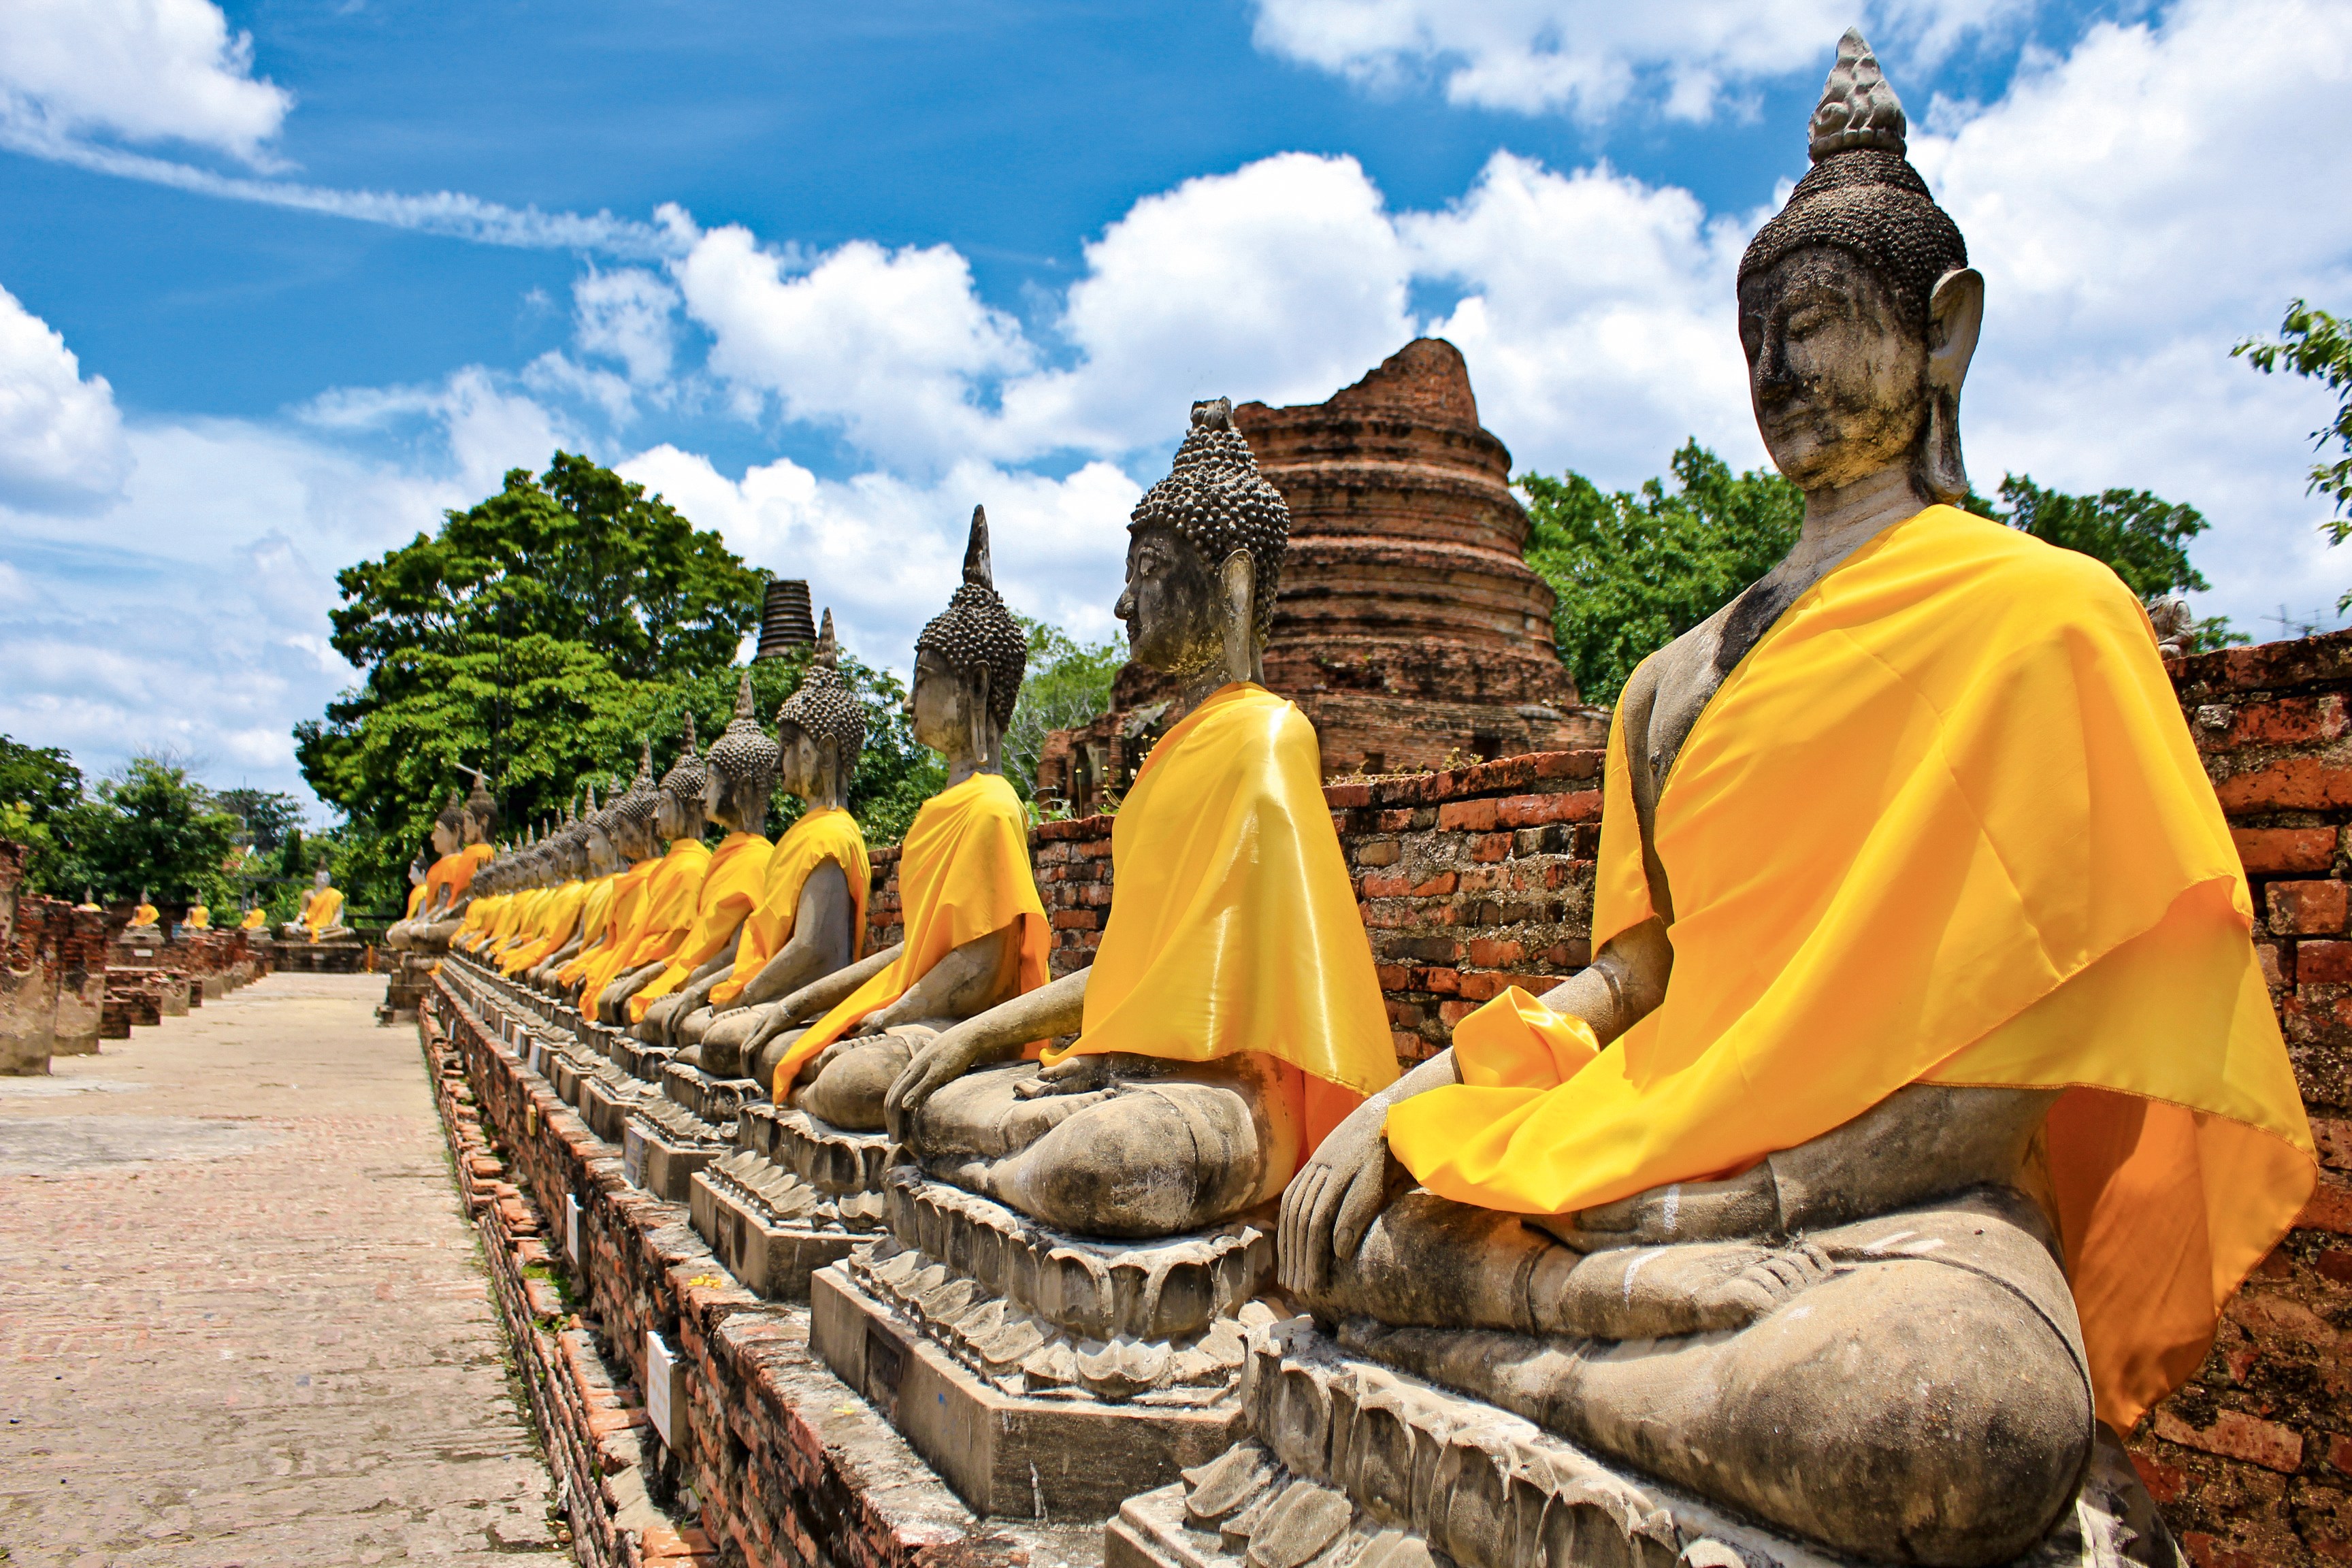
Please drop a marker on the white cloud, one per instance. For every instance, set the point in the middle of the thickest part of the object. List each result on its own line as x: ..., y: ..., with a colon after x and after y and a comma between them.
x: 627, y: 315
x: 890, y: 347
x: 60, y: 437
x: 884, y: 551
x: 1593, y: 58
x: 145, y: 70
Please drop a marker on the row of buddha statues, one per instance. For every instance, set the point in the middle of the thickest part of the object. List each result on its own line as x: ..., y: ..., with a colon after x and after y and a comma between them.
x: 319, y: 918
x: 1919, y: 1108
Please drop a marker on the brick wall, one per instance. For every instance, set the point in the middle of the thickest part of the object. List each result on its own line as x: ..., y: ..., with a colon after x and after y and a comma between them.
x: 30, y: 928
x: 2253, y: 1459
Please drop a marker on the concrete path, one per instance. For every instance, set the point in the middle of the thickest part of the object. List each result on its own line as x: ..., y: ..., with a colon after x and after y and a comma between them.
x: 242, y: 1320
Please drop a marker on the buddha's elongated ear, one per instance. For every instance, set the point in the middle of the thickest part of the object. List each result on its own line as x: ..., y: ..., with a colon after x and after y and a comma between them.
x: 1955, y: 319
x: 979, y: 717
x: 1237, y: 577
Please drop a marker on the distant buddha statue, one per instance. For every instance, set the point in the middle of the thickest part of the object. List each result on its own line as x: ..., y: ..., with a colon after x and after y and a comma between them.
x: 590, y: 857
x: 88, y: 902
x: 461, y: 836
x: 255, y: 919
x: 1924, y: 1100
x: 321, y: 916
x: 975, y: 927
x: 628, y: 828
x: 415, y: 888
x: 1231, y: 1016
x: 808, y: 921
x: 199, y: 918
x: 143, y: 915
x: 672, y: 899
x: 557, y: 919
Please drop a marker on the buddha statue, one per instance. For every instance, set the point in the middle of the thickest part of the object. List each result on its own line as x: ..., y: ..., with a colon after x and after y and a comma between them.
x: 255, y: 919
x: 975, y: 926
x: 416, y: 869
x: 199, y: 918
x: 672, y: 900
x: 143, y: 915
x: 1231, y: 1015
x: 1844, y: 1189
x: 628, y: 828
x: 320, y: 919
x: 809, y: 920
x: 590, y: 856
x: 554, y: 915
x: 461, y: 838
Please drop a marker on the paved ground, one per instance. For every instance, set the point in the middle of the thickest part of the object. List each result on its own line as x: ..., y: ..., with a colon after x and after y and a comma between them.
x: 242, y: 1320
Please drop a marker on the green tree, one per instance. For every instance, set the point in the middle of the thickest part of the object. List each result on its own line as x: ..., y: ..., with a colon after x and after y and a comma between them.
x: 533, y: 637
x: 1066, y: 684
x: 1635, y: 570
x: 42, y: 780
x: 269, y: 817
x: 2315, y: 344
x: 154, y: 827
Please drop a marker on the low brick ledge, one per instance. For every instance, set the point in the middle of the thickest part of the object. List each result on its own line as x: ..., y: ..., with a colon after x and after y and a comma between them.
x: 783, y: 1466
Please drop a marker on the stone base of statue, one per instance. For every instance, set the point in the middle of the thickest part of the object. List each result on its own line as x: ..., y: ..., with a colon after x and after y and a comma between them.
x: 344, y: 955
x: 403, y: 987
x: 1351, y: 1465
x: 609, y: 1096
x: 1043, y: 1375
x: 796, y: 1195
x: 663, y: 1145
x: 714, y: 1100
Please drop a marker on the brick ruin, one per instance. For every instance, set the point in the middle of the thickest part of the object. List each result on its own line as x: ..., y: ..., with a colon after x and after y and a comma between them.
x: 1408, y: 628
x: 1469, y: 879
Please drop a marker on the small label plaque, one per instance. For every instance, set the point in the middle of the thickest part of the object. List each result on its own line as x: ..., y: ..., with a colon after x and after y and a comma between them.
x: 572, y: 1228
x: 665, y: 1389
x: 633, y: 1154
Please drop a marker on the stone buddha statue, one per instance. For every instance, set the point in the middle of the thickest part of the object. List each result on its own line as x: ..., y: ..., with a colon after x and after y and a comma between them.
x: 590, y: 858
x: 432, y: 894
x: 322, y: 910
x: 809, y: 921
x: 975, y: 926
x: 199, y: 918
x: 673, y: 895
x: 628, y: 828
x: 255, y: 919
x: 1231, y: 1016
x: 1790, y: 1197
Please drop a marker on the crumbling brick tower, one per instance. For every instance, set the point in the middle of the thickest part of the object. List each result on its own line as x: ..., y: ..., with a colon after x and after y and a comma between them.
x: 1409, y: 626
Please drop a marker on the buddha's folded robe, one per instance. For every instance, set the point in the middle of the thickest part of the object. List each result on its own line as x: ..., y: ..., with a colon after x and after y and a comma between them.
x: 415, y: 899
x: 145, y: 915
x: 661, y: 917
x: 476, y: 925
x: 1235, y: 927
x: 1944, y: 823
x: 255, y: 919
x: 963, y: 873
x: 620, y: 913
x: 830, y: 834
x: 325, y: 906
x: 558, y: 918
x: 730, y: 885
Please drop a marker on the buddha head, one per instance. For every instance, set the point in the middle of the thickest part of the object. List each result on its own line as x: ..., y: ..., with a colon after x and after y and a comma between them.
x: 1858, y: 310
x: 416, y: 869
x: 1204, y: 558
x: 677, y: 805
x: 481, y: 812
x: 630, y: 819
x: 740, y: 774
x: 320, y: 880
x: 968, y: 667
x: 450, y: 827
x: 598, y: 851
x: 820, y: 730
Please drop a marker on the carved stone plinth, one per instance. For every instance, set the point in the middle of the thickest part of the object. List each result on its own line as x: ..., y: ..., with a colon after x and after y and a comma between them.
x: 796, y: 1195
x: 714, y: 1100
x: 1034, y: 1368
x: 1351, y: 1465
x: 608, y: 1097
x: 662, y: 1146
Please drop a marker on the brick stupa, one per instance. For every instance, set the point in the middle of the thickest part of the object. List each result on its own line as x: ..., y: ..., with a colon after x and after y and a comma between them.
x: 1410, y: 627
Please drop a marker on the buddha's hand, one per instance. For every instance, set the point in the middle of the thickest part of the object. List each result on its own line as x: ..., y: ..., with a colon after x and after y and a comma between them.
x: 946, y: 1059
x: 1745, y: 1208
x: 1659, y: 1293
x: 1333, y: 1200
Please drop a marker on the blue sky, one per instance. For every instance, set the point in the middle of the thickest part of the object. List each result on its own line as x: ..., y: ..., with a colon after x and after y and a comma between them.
x: 827, y: 276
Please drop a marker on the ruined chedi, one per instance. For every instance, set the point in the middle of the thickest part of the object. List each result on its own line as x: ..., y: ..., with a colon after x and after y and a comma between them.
x: 1410, y: 629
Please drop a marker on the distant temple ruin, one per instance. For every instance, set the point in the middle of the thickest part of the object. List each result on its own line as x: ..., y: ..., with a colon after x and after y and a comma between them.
x: 1410, y: 627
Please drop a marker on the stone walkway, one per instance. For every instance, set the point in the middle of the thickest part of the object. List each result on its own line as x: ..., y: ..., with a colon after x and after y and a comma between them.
x: 241, y: 1322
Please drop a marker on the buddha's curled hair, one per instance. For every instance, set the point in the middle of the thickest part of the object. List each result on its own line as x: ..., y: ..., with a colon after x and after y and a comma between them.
x: 976, y: 632
x: 637, y: 802
x: 743, y: 755
x: 1862, y: 194
x: 1215, y: 500
x: 685, y: 779
x: 826, y: 708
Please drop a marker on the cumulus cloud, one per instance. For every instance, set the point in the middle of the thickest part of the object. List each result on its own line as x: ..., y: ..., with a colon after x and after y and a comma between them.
x: 627, y: 315
x: 1595, y: 58
x: 60, y: 436
x: 144, y: 70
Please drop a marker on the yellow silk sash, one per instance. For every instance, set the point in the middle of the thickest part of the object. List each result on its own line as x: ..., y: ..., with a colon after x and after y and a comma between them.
x: 663, y: 912
x: 620, y: 913
x: 557, y: 919
x: 963, y: 873
x: 830, y: 834
x: 255, y: 920
x: 1942, y: 823
x: 416, y: 898
x: 1235, y: 925
x: 199, y: 918
x: 144, y: 915
x: 325, y: 905
x: 729, y: 888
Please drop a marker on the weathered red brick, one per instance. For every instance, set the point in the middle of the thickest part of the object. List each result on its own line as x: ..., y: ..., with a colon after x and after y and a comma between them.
x: 2234, y: 1435
x: 1381, y: 852
x: 2164, y: 1482
x: 2334, y: 1140
x: 1436, y: 887
x: 2206, y: 1551
x: 2330, y: 1208
x: 2267, y: 851
x: 1491, y: 846
x: 2289, y: 721
x: 1468, y: 815
x: 2292, y: 783
x: 2308, y: 908
x: 2323, y: 963
x: 1490, y: 952
x: 1077, y: 920
x: 1386, y: 886
x: 1534, y: 810
x: 2277, y: 964
x: 1343, y: 795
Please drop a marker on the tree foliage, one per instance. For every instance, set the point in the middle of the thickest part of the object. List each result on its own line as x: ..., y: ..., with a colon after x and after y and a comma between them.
x: 1067, y: 684
x: 154, y: 827
x: 2316, y: 344
x: 40, y: 781
x: 1635, y: 569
